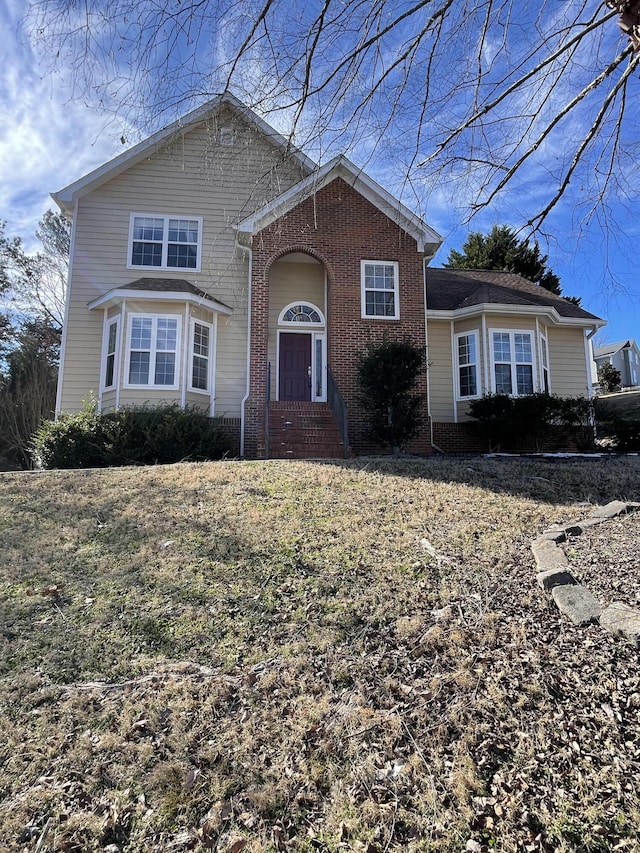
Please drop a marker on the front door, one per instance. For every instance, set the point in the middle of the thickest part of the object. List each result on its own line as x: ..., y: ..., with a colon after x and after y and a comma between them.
x: 295, y: 366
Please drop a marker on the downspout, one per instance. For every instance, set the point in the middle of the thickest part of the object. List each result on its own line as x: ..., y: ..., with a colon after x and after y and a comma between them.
x: 67, y: 301
x: 248, y: 391
x: 426, y: 344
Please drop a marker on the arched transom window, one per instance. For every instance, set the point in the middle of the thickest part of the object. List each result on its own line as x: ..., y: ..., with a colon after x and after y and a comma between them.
x: 301, y: 312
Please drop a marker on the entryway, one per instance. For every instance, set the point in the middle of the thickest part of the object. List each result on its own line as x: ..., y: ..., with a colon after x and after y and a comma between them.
x: 295, y: 366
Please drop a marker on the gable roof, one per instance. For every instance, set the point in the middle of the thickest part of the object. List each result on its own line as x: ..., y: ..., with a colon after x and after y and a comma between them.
x: 428, y: 240
x: 66, y: 197
x: 453, y: 290
x: 607, y: 350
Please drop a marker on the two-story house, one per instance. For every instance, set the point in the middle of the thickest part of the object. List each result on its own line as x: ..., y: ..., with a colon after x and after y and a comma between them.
x: 215, y: 265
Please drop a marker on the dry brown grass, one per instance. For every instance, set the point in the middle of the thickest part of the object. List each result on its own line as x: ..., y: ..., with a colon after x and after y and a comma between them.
x: 307, y: 657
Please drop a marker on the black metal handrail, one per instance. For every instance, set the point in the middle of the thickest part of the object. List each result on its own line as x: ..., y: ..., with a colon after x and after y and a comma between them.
x: 266, y: 412
x: 339, y: 409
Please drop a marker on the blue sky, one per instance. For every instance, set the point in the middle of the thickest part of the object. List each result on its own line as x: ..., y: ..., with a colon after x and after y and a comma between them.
x: 50, y: 136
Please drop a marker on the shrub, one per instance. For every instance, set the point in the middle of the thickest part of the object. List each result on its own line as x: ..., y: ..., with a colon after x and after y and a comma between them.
x: 609, y: 377
x: 137, y: 435
x: 533, y: 422
x: 387, y: 374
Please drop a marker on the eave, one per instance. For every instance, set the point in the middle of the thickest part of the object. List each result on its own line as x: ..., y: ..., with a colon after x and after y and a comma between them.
x: 528, y: 310
x: 113, y: 297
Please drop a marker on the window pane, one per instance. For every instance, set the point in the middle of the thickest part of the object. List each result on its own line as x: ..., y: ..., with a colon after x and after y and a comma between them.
x: 146, y: 255
x: 379, y: 304
x: 200, y: 373
x: 467, y: 349
x: 108, y: 379
x: 319, y: 367
x: 201, y: 339
x: 182, y: 256
x: 167, y: 335
x: 141, y: 332
x: 522, y: 346
x: 501, y: 346
x: 113, y: 330
x: 148, y: 228
x: 165, y: 368
x: 139, y: 368
x: 379, y: 276
x: 468, y: 386
x: 503, y: 379
x: 524, y: 378
x: 183, y: 231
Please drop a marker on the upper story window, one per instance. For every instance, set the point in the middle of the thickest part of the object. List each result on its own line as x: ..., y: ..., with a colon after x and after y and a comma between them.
x: 512, y: 354
x: 380, y: 297
x: 467, y: 365
x: 165, y: 242
x: 152, y: 351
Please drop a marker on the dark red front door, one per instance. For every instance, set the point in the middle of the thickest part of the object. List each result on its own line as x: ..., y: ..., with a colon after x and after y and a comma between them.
x: 295, y: 362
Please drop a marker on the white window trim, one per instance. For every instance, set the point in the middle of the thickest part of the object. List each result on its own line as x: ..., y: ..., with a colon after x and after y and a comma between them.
x: 514, y: 382
x: 153, y: 351
x: 165, y: 241
x: 472, y: 333
x: 363, y: 290
x: 192, y: 331
x: 108, y: 322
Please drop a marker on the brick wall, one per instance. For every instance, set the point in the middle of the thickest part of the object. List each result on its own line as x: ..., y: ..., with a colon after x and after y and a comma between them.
x: 340, y: 228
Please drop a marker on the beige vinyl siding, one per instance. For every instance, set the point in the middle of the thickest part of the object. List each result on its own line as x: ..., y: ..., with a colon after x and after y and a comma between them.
x: 195, y: 176
x: 291, y: 282
x: 567, y: 362
x: 441, y: 394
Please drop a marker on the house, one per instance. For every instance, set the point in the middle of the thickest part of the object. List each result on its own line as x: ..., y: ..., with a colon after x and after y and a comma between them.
x: 215, y: 265
x: 624, y: 356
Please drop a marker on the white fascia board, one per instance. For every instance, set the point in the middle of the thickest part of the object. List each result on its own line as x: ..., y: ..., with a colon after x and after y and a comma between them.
x: 528, y: 310
x: 112, y: 297
x: 340, y: 167
x: 64, y: 198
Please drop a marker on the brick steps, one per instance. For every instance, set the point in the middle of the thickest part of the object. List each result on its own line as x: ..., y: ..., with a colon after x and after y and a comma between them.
x: 303, y: 430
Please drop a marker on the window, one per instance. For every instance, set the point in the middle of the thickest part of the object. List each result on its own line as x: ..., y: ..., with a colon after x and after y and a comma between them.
x: 544, y: 357
x: 165, y: 242
x: 301, y: 313
x: 111, y: 347
x: 153, y: 351
x: 512, y: 362
x: 467, y: 355
x: 380, y: 290
x: 201, y: 338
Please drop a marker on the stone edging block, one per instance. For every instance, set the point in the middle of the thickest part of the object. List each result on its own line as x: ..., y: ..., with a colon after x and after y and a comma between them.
x: 573, y: 598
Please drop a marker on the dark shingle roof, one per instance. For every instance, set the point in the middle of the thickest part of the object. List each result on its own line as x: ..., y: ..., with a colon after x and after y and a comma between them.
x: 449, y: 290
x: 170, y: 285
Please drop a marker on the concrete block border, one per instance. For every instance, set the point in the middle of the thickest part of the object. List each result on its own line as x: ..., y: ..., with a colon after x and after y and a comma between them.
x: 572, y: 598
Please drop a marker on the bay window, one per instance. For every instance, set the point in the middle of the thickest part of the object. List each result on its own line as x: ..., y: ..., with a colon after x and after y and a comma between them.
x: 201, y: 341
x: 110, y: 350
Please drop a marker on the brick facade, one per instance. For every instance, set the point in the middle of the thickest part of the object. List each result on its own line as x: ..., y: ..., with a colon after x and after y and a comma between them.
x: 340, y: 228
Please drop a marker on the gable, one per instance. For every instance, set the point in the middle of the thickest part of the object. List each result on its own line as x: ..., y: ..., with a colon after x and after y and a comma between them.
x: 218, y: 120
x: 340, y: 169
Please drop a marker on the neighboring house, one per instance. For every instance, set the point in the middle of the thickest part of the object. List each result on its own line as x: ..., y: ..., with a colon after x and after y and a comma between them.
x: 214, y: 265
x: 624, y: 356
